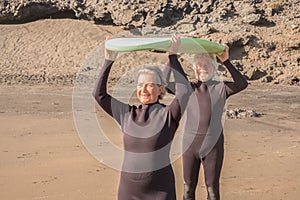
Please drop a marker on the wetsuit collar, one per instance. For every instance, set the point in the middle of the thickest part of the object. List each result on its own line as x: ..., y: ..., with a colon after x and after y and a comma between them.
x: 209, y: 82
x: 145, y: 106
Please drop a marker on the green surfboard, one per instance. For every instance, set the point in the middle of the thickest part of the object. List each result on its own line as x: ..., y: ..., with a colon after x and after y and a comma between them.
x: 188, y: 45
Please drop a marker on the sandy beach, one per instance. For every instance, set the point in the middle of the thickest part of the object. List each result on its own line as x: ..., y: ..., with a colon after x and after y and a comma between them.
x: 43, y: 157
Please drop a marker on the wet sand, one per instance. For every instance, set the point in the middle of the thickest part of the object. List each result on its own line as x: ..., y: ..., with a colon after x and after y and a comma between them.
x: 42, y: 156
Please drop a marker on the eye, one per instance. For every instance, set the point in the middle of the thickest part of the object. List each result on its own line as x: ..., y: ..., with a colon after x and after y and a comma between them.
x: 140, y: 85
x: 150, y: 85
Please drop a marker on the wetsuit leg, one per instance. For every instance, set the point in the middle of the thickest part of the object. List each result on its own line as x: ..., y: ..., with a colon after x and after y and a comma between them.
x: 191, y: 167
x: 212, y: 165
x: 158, y: 185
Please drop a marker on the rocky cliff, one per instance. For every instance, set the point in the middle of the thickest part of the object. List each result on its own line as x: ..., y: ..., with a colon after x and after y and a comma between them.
x: 263, y: 35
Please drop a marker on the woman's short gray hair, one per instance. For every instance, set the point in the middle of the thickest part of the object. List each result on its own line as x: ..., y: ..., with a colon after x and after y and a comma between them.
x: 157, y: 73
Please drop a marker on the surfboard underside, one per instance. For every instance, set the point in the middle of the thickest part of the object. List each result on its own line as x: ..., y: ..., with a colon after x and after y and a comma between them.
x: 188, y: 45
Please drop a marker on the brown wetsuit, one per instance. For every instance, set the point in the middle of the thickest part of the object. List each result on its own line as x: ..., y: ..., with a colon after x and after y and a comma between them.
x: 148, y: 131
x: 203, y: 140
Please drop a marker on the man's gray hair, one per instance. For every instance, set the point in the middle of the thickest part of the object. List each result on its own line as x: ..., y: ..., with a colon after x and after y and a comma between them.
x: 213, y: 58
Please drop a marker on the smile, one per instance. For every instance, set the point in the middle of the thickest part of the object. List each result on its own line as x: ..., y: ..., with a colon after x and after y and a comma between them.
x: 144, y: 96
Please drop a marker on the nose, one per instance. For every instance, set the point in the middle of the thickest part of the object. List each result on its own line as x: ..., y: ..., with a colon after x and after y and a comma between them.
x: 144, y: 87
x: 201, y: 67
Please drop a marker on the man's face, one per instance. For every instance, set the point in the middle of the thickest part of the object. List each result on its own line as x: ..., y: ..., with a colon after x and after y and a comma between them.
x: 204, y: 69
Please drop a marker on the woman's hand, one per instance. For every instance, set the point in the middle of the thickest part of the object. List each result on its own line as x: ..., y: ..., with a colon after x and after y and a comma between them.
x: 175, y: 44
x: 110, y: 55
x: 225, y: 55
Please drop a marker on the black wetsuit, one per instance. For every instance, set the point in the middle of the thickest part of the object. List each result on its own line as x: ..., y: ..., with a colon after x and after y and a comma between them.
x: 148, y: 131
x: 203, y: 140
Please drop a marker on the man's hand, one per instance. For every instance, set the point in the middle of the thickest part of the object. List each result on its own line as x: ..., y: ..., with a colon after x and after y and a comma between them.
x: 174, y: 48
x: 225, y: 55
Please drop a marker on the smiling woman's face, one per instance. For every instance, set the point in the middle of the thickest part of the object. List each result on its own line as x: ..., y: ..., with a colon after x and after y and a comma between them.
x: 148, y: 90
x: 204, y: 69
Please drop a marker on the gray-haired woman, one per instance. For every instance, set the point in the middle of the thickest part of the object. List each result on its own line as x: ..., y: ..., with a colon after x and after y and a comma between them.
x: 148, y: 129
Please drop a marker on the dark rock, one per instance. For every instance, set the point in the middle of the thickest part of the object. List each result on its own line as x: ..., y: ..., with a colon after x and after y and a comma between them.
x: 255, y: 74
x: 267, y: 79
x: 240, y: 113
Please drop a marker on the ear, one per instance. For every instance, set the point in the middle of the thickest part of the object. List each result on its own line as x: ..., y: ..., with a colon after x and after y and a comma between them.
x: 161, y: 89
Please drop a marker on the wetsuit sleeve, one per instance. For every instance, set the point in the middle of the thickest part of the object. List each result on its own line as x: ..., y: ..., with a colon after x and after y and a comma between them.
x: 182, y: 90
x: 110, y: 105
x: 170, y: 87
x: 239, y: 81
